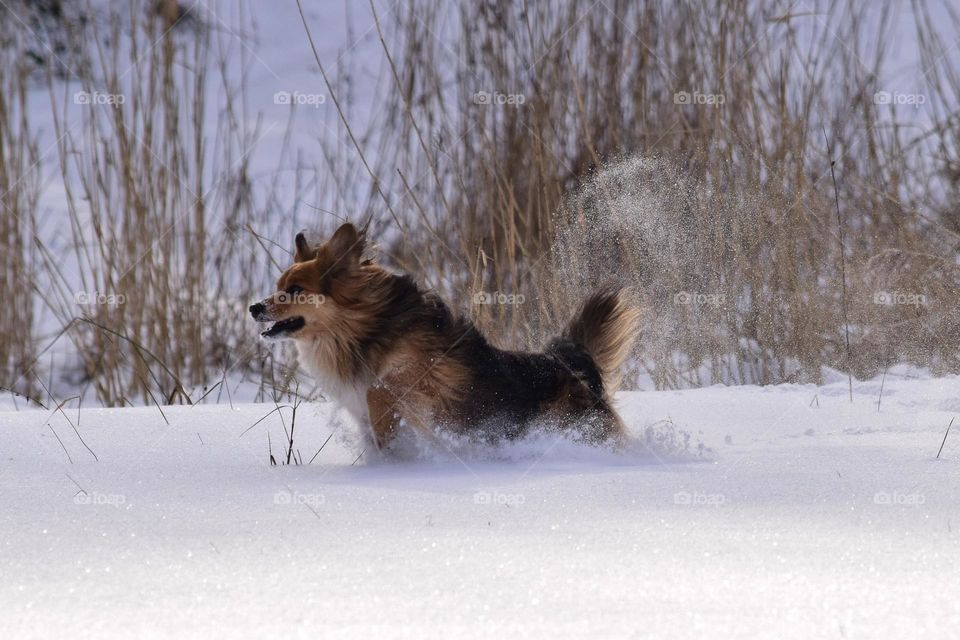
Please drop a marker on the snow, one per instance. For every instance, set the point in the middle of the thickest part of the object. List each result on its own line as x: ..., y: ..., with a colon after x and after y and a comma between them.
x: 807, y: 517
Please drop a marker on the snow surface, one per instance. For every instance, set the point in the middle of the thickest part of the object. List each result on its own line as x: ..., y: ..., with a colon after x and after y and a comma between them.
x: 807, y: 517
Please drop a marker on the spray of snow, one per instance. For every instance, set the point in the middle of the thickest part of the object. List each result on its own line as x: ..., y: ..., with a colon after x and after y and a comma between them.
x: 653, y: 225
x: 545, y: 442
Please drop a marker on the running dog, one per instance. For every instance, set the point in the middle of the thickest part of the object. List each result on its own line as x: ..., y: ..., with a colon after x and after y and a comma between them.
x: 394, y: 354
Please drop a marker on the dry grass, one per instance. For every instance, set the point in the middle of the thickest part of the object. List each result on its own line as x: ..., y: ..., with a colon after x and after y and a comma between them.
x: 601, y: 175
x: 163, y: 244
x: 19, y: 194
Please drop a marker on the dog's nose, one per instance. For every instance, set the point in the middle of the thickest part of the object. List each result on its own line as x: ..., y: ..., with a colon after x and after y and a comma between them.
x: 256, y: 310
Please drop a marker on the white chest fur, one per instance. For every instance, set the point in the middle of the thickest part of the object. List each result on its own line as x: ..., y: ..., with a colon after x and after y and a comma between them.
x: 318, y: 358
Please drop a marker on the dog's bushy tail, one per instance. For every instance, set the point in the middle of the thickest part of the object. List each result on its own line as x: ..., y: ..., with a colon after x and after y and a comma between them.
x: 606, y: 327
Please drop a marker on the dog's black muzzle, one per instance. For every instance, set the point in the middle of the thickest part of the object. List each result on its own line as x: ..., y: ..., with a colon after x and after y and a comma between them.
x: 257, y: 311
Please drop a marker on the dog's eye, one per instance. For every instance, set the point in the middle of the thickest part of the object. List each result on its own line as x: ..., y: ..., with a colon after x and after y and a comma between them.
x: 294, y: 289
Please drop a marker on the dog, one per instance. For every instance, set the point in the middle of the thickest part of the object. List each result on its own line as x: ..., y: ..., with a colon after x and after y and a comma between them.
x: 394, y: 354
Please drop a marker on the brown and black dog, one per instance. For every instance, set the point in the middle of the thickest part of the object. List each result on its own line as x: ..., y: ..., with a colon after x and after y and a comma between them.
x: 395, y: 354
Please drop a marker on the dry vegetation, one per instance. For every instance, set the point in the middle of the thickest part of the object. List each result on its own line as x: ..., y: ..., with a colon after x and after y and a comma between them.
x: 19, y: 187
x: 598, y: 175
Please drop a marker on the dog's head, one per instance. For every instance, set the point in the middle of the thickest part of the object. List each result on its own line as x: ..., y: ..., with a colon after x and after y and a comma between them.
x: 313, y: 293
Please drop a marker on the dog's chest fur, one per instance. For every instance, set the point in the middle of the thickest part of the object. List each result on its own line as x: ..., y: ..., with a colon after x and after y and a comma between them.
x: 320, y: 358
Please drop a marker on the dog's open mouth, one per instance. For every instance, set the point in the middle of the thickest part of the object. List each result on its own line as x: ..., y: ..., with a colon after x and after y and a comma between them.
x: 281, y: 327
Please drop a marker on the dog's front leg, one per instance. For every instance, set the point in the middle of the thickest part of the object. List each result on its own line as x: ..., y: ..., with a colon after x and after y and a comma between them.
x: 384, y: 415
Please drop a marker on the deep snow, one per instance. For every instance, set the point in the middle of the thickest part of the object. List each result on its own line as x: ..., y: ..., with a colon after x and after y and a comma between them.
x: 808, y: 517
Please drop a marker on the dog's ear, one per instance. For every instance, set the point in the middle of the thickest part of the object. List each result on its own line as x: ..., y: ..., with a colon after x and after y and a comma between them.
x: 303, y: 252
x: 347, y: 243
